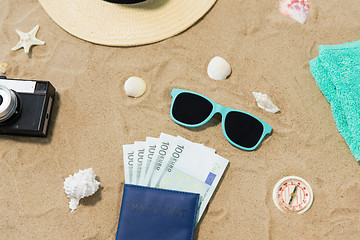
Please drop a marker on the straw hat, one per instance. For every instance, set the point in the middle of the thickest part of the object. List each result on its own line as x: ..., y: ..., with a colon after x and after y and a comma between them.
x: 116, y: 24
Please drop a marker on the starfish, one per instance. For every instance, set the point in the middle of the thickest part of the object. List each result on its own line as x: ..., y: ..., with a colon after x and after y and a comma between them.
x: 27, y: 40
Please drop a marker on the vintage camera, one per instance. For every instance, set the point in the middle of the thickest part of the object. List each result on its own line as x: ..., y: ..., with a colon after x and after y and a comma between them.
x: 25, y: 106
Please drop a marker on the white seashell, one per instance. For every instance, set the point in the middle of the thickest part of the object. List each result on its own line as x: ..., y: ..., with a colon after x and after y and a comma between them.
x: 82, y: 184
x: 218, y: 68
x: 3, y: 67
x: 264, y: 102
x: 135, y: 87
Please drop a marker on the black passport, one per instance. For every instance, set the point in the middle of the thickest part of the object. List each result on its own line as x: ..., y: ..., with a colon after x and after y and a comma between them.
x: 157, y: 214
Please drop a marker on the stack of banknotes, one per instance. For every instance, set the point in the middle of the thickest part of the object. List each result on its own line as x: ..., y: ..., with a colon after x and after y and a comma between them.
x: 174, y: 163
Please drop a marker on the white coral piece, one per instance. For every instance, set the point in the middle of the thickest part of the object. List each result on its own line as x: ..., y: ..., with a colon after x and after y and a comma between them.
x: 264, y: 102
x: 82, y: 184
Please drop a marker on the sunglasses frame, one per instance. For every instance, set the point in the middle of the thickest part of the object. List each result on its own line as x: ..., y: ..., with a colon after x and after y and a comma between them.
x: 217, y: 108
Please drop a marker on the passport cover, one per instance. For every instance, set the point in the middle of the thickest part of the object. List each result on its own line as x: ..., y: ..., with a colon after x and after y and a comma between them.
x: 154, y: 213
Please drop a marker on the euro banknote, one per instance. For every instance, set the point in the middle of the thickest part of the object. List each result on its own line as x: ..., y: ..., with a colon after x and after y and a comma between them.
x: 174, y: 163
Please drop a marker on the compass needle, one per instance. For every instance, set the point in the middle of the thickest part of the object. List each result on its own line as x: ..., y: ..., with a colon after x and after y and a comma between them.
x: 293, y: 194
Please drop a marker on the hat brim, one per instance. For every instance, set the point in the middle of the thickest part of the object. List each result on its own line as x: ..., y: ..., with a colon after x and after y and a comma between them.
x: 114, y: 24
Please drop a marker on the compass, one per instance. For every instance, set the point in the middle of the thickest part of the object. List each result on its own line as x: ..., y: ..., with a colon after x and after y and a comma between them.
x: 293, y: 194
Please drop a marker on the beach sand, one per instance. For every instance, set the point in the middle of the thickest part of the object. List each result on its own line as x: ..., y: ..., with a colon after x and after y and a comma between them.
x: 92, y: 118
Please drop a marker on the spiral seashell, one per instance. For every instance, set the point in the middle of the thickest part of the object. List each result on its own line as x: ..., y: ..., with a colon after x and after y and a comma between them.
x: 80, y: 185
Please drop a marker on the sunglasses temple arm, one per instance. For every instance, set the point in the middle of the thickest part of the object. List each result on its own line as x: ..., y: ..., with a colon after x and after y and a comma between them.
x: 267, y: 128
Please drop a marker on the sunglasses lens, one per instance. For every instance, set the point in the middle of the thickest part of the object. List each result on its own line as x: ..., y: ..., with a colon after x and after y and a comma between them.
x: 190, y: 108
x: 243, y: 129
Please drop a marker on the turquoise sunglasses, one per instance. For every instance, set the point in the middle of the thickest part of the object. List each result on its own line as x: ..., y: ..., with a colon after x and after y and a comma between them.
x: 241, y: 129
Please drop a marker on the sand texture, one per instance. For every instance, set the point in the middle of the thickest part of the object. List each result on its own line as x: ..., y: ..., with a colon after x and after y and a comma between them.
x: 92, y: 118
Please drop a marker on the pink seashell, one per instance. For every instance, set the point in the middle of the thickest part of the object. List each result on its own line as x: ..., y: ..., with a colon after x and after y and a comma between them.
x: 295, y: 9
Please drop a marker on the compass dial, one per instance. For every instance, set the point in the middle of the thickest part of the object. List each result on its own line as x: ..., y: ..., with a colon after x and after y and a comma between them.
x: 293, y: 194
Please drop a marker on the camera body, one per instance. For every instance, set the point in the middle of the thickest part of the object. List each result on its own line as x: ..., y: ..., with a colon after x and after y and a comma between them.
x: 25, y: 106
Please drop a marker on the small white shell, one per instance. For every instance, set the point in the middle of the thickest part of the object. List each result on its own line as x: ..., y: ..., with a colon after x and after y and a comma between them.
x: 135, y: 87
x: 218, y: 68
x: 82, y: 184
x: 3, y: 67
x: 264, y: 102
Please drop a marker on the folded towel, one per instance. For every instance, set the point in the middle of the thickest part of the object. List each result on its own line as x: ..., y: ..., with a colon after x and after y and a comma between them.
x: 337, y: 74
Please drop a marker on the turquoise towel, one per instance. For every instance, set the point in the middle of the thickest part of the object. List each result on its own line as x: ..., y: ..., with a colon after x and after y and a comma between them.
x: 337, y: 74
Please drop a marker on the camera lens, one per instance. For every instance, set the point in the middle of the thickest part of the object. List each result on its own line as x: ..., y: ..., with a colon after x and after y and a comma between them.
x: 8, y: 103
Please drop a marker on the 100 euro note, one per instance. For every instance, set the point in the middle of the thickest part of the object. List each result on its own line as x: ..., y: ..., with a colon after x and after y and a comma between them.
x: 149, y: 153
x: 128, y: 155
x: 198, y: 170
x: 177, y: 148
x: 139, y: 151
x: 161, y: 153
x: 174, y: 151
